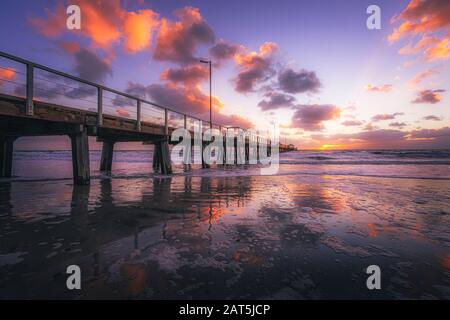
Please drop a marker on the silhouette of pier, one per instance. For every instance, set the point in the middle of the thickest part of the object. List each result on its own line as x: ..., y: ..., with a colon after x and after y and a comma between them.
x: 50, y: 102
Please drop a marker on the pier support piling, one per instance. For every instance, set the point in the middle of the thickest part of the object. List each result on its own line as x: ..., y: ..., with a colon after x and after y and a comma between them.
x: 107, y: 156
x: 6, y: 156
x: 80, y: 157
x: 204, y: 164
x: 161, y: 157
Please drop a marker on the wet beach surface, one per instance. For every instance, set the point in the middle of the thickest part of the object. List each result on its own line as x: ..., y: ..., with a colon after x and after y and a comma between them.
x: 292, y: 236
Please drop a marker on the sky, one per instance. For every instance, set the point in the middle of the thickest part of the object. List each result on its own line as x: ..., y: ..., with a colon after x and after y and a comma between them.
x: 313, y: 67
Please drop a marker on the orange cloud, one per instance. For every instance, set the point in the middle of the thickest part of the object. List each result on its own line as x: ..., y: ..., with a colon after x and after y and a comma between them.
x: 138, y: 29
x: 268, y: 48
x: 100, y: 22
x: 178, y: 41
x: 123, y: 113
x: 7, y: 74
x: 440, y: 51
x: 104, y: 22
x: 70, y: 47
x: 418, y: 78
x: 382, y: 88
x: 429, y: 96
x: 425, y: 17
x: 255, y: 67
x: 54, y: 24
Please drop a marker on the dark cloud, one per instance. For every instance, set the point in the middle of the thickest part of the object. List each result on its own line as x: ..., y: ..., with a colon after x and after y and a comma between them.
x: 90, y: 67
x: 178, y: 41
x: 255, y: 68
x: 310, y: 117
x: 259, y: 71
x: 82, y: 91
x: 442, y: 133
x: 192, y: 102
x: 298, y: 81
x: 379, y: 135
x: 276, y: 101
x: 223, y: 50
x: 428, y: 96
x: 370, y: 127
x: 135, y: 89
x: 389, y: 139
x: 189, y: 76
x: 433, y: 118
x: 397, y: 124
x: 381, y: 117
x: 231, y: 120
x: 352, y: 123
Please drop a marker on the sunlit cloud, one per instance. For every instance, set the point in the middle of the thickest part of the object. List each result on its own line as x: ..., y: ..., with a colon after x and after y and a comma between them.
x: 54, y: 23
x: 421, y: 76
x: 311, y: 117
x: 178, y: 41
x: 428, y: 19
x: 104, y: 22
x: 429, y: 96
x: 382, y: 88
x: 7, y: 74
x: 254, y: 67
x: 138, y: 29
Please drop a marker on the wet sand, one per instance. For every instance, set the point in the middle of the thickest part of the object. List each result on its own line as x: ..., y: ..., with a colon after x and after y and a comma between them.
x: 241, y: 237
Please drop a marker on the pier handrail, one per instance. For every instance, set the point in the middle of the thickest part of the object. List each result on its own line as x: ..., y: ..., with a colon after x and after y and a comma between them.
x: 31, y: 65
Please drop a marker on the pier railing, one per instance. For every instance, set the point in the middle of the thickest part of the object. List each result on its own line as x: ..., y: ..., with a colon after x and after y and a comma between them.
x: 121, y: 104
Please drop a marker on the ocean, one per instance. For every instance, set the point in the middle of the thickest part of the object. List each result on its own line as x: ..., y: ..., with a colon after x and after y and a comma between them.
x: 309, y: 231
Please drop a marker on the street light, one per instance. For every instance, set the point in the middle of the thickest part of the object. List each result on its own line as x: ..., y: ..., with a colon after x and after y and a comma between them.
x: 210, y: 90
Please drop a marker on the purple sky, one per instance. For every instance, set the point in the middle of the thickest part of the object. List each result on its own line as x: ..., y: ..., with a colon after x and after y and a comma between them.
x: 312, y: 66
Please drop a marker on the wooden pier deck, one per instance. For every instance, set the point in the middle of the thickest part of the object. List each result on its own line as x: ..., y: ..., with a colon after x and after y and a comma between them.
x: 26, y: 113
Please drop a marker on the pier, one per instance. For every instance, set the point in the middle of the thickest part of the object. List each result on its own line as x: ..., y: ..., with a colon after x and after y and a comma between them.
x: 24, y: 112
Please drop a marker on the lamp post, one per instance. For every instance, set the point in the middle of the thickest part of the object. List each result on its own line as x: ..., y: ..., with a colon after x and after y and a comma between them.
x: 210, y: 90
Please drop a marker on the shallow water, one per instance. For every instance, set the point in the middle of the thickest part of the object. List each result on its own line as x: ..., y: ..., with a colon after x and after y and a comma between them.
x: 227, y: 233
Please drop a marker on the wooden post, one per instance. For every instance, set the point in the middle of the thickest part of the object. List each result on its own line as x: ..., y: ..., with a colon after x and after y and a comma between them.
x: 247, y: 152
x: 258, y: 141
x: 80, y: 157
x: 166, y: 164
x: 138, y: 123
x: 29, y: 108
x: 161, y: 157
x: 156, y: 156
x: 6, y: 156
x: 204, y: 164
x: 235, y: 151
x: 107, y: 156
x: 99, y: 106
x: 166, y: 122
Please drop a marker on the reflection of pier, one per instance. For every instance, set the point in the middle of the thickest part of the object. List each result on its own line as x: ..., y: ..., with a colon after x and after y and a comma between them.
x: 91, y: 217
x: 27, y: 111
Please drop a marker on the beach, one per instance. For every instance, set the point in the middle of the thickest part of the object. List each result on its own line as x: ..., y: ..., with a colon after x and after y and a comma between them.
x: 307, y: 232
